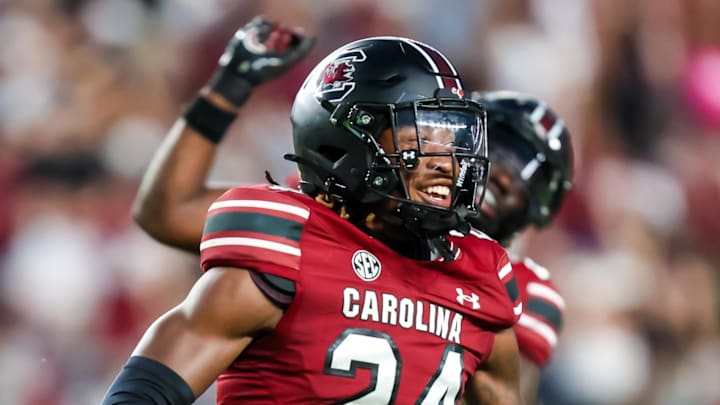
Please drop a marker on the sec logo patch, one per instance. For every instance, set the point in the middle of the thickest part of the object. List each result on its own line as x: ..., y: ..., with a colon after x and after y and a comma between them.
x: 366, y: 265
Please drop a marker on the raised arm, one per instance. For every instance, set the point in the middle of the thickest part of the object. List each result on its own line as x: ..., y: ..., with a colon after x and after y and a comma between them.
x: 498, y: 381
x: 173, y: 196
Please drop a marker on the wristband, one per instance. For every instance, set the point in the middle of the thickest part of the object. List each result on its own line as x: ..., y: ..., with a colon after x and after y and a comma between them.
x: 208, y: 120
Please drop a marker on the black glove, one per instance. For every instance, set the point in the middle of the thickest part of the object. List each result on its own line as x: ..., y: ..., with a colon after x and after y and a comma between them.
x: 258, y: 52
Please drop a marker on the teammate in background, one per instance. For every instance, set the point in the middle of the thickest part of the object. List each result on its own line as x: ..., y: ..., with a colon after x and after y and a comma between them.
x: 350, y: 290
x: 531, y: 156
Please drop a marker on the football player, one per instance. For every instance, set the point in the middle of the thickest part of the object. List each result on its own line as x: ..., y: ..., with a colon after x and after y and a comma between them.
x: 531, y: 155
x: 350, y: 290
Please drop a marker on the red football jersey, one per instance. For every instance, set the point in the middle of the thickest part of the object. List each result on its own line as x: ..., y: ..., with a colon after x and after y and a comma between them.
x: 365, y: 324
x: 541, y: 321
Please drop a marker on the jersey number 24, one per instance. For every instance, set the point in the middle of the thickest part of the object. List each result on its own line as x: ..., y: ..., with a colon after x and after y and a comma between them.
x: 376, y: 351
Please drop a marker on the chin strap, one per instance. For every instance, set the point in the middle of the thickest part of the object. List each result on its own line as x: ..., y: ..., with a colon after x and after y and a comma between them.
x: 424, y: 223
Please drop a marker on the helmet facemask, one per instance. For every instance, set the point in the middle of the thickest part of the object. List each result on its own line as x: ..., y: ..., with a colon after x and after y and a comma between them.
x: 430, y: 158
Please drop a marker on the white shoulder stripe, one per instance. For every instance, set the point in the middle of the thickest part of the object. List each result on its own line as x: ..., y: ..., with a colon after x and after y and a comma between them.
x: 518, y: 309
x: 542, y: 291
x: 540, y: 271
x: 539, y: 327
x: 269, y: 205
x: 251, y: 242
x: 506, y: 269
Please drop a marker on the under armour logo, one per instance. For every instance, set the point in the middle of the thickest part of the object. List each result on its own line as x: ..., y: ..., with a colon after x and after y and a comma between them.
x: 409, y: 157
x: 472, y: 298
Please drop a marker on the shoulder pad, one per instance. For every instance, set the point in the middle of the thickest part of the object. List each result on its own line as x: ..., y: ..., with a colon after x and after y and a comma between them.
x: 249, y: 227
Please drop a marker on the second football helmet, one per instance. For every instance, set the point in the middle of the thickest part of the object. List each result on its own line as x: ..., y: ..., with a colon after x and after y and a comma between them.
x: 526, y: 138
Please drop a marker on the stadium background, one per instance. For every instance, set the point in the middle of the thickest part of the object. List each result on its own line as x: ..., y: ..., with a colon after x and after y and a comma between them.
x: 88, y: 88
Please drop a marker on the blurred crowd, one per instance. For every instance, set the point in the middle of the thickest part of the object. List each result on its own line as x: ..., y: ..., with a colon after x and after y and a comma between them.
x: 89, y: 87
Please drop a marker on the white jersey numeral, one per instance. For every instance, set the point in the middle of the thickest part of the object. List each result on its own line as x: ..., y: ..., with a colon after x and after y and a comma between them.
x: 364, y: 348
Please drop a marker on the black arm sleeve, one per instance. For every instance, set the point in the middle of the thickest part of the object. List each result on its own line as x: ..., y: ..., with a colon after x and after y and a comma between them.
x: 146, y: 381
x: 278, y: 289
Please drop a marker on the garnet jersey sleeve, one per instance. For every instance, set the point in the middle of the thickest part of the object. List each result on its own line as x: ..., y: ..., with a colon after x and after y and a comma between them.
x: 538, y: 327
x: 506, y: 274
x: 256, y: 228
x: 493, y: 274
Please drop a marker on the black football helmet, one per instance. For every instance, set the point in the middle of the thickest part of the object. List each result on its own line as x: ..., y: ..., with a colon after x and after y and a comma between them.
x: 526, y: 137
x: 371, y: 85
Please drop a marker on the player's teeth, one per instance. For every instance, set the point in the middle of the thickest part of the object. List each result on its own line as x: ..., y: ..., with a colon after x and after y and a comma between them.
x: 438, y: 190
